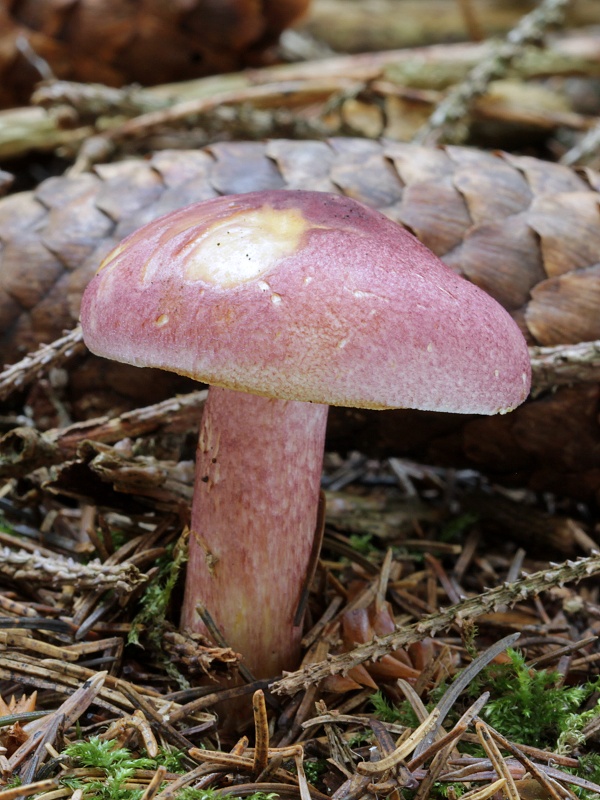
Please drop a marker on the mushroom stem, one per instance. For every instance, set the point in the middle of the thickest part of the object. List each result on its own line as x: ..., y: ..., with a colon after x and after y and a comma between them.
x: 258, y: 471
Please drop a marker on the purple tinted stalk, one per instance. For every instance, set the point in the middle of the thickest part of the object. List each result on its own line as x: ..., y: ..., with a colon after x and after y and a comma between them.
x: 258, y: 472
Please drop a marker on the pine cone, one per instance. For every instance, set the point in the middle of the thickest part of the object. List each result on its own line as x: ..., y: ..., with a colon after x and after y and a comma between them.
x: 526, y: 231
x: 116, y: 41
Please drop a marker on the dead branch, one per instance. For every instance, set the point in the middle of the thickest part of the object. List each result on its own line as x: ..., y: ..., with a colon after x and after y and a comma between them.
x: 358, y: 27
x: 67, y: 113
x: 18, y: 375
x: 37, y: 570
x: 454, y: 108
x: 564, y: 364
x: 23, y: 450
x: 506, y: 594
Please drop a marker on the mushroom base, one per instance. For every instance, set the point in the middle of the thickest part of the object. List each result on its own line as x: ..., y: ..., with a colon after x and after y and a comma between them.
x: 258, y: 473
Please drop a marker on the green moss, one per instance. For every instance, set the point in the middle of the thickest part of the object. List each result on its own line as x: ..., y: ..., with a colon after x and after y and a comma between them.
x: 118, y: 765
x: 314, y: 768
x: 362, y: 543
x: 528, y: 706
x: 401, y: 714
x: 589, y: 768
x: 454, y: 529
x: 154, y: 605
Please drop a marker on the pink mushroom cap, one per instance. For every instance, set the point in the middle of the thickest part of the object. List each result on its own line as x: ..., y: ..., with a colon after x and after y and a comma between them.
x: 305, y: 296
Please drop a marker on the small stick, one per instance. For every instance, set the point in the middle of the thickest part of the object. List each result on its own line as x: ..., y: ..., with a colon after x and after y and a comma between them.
x: 216, y: 634
x: 68, y: 712
x: 206, y: 774
x: 313, y: 560
x: 52, y: 733
x: 447, y: 741
x: 485, y: 791
x: 554, y: 655
x: 155, y: 783
x: 302, y: 782
x: 17, y: 792
x: 563, y: 364
x: 208, y: 700
x: 495, y: 756
x: 138, y: 721
x: 455, y: 106
x: 282, y: 790
x: 472, y: 23
x: 400, y: 753
x: 20, y: 639
x: 554, y: 575
x: 218, y: 757
x: 462, y: 680
x: 193, y: 775
x: 144, y: 705
x: 588, y: 145
x: 18, y: 375
x: 261, y: 732
x: 385, y: 741
x: 25, y: 449
x: 35, y: 569
x: 529, y: 765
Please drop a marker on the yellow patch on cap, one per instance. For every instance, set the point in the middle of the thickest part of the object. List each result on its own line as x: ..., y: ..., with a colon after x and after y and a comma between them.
x: 244, y: 246
x: 112, y: 257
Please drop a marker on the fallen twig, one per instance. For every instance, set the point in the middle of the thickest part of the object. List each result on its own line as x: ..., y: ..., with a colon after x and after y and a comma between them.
x: 18, y: 375
x: 564, y: 364
x: 455, y: 106
x: 35, y: 569
x: 506, y: 594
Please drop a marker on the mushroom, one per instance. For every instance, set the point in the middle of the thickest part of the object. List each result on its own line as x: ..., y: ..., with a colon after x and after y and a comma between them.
x: 286, y: 302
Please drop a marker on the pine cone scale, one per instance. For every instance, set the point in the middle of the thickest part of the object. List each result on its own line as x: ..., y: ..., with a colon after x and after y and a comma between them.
x: 492, y: 190
x: 569, y: 228
x: 503, y: 258
x: 565, y: 309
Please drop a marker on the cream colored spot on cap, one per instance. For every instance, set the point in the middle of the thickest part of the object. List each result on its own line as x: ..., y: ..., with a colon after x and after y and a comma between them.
x: 162, y: 320
x: 244, y: 246
x: 275, y: 299
x: 359, y: 294
x: 112, y: 258
x: 430, y: 348
x: 496, y: 373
